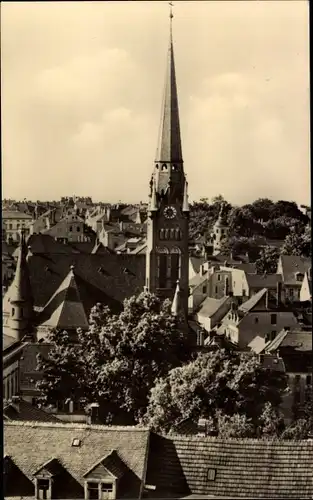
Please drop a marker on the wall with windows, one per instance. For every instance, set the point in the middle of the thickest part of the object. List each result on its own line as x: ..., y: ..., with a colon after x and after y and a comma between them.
x: 11, y: 227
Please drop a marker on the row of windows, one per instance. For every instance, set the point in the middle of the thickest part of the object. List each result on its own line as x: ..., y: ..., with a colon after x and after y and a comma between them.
x: 95, y: 490
x: 165, y: 167
x: 15, y: 226
x: 170, y: 234
x: 77, y: 229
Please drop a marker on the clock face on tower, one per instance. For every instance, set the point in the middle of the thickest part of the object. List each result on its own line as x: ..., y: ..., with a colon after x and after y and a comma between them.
x: 170, y: 212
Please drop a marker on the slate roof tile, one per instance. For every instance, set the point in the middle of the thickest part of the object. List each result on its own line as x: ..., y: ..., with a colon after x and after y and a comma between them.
x: 292, y: 264
x: 115, y: 277
x: 263, y: 280
x: 27, y: 412
x: 244, y: 467
x: 54, y: 441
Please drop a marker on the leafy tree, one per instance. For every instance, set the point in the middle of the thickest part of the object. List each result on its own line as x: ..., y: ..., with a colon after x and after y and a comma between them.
x: 267, y: 261
x: 215, y: 384
x: 117, y: 361
x: 298, y: 242
x: 240, y: 245
x: 242, y: 222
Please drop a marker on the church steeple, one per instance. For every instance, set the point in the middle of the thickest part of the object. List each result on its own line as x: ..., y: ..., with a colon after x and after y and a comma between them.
x: 169, y: 148
x: 167, y: 229
x: 21, y: 299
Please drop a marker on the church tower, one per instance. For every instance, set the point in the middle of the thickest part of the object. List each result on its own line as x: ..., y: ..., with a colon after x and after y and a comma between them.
x: 21, y: 299
x: 220, y: 231
x: 168, y: 212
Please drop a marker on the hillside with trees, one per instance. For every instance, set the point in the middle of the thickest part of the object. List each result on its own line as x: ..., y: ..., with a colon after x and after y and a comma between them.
x: 252, y: 227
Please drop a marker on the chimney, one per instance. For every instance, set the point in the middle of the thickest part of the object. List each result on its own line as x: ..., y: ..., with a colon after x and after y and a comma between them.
x: 266, y: 299
x: 16, y: 402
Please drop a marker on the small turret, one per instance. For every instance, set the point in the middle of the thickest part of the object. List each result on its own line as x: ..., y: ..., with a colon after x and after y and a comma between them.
x: 153, y: 203
x: 176, y: 304
x: 21, y: 299
x: 185, y: 202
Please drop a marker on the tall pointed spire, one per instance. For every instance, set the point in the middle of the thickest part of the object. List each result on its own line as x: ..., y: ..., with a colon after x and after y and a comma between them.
x: 21, y: 299
x: 169, y: 144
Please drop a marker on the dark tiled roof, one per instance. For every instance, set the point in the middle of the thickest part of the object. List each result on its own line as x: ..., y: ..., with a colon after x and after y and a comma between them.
x: 245, y: 468
x: 30, y: 445
x: 263, y: 280
x: 46, y: 244
x: 300, y: 341
x: 115, y: 277
x: 66, y: 308
x: 292, y: 264
x: 26, y: 411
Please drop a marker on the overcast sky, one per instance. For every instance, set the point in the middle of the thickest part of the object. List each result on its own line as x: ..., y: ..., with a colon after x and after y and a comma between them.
x: 82, y: 87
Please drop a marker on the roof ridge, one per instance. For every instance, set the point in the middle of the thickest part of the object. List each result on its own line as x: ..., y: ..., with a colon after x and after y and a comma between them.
x: 72, y: 425
x: 217, y: 439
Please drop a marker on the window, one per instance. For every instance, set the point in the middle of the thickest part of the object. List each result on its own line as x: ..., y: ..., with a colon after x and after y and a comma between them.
x: 76, y: 442
x: 211, y: 474
x: 43, y: 485
x: 218, y: 277
x: 308, y: 380
x: 216, y: 289
x: 243, y: 292
x: 71, y: 229
x: 13, y: 311
x: 297, y: 380
x: 204, y: 288
x: 78, y: 229
x: 93, y: 491
x: 273, y: 319
x: 256, y: 320
x: 291, y: 292
x: 107, y: 488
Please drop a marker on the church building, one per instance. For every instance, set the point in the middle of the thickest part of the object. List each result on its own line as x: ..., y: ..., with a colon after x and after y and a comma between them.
x: 57, y: 290
x: 167, y: 257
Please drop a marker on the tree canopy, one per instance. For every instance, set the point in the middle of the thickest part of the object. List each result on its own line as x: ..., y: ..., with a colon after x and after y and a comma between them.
x: 220, y: 386
x: 117, y: 361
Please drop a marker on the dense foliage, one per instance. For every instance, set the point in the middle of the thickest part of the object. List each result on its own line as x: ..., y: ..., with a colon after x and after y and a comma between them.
x: 117, y: 361
x: 252, y: 226
x: 231, y: 390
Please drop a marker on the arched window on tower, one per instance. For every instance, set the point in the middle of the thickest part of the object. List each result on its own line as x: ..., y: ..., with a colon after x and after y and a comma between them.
x: 164, y: 166
x: 162, y: 266
x: 13, y: 311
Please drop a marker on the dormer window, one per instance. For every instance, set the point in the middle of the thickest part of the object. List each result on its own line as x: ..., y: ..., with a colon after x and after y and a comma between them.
x: 43, y: 489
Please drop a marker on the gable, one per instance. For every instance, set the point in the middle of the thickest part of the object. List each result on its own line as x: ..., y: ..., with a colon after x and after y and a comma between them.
x: 99, y: 472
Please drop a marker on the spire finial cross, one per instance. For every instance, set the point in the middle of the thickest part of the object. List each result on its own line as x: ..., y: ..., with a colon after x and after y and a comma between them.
x: 171, y: 10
